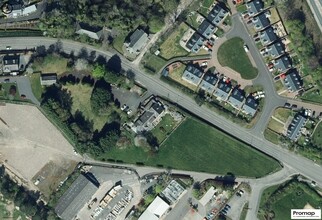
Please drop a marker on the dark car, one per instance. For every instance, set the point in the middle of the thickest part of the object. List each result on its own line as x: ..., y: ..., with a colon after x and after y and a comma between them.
x: 22, y: 96
x: 287, y: 105
x: 7, y: 80
x: 294, y: 106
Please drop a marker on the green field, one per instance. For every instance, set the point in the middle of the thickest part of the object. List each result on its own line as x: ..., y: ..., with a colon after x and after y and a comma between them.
x: 317, y: 136
x: 37, y: 89
x: 198, y: 147
x: 281, y: 199
x: 51, y: 64
x: 232, y: 54
x: 152, y: 63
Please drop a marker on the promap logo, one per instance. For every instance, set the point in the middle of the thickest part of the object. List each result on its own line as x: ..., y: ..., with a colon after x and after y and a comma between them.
x: 306, y: 214
x: 6, y: 7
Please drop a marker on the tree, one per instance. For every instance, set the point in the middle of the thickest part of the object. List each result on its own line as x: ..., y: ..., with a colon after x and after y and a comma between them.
x: 98, y: 71
x: 109, y: 140
x: 101, y: 97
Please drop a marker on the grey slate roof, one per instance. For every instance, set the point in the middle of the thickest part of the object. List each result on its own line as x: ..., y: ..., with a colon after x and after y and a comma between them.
x: 254, y: 7
x: 206, y: 29
x: 217, y: 14
x: 250, y: 106
x: 11, y: 63
x: 48, y: 76
x: 195, y: 42
x: 293, y: 81
x: 192, y: 74
x: 137, y: 41
x: 268, y: 36
x: 276, y: 49
x: 283, y: 63
x: 294, y: 129
x: 223, y: 90
x: 208, y: 82
x: 90, y: 31
x: 77, y: 195
x: 158, y: 107
x: 236, y: 98
x: 260, y: 21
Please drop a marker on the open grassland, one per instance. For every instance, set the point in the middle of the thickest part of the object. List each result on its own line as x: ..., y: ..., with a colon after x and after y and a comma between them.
x: 279, y: 200
x: 51, y: 64
x: 198, y: 147
x: 171, y: 46
x: 232, y: 54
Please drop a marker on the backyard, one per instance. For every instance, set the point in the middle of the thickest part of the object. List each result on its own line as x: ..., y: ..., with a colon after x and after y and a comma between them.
x: 36, y: 87
x: 51, y: 64
x: 232, y: 54
x: 278, y: 200
x: 164, y: 128
x: 171, y: 46
x: 217, y: 153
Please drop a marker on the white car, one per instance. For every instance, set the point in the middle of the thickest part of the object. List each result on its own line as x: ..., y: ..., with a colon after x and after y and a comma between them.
x: 256, y: 97
x: 204, y: 64
x: 262, y: 96
x: 129, y: 111
x: 123, y: 107
x: 260, y: 92
x: 246, y: 48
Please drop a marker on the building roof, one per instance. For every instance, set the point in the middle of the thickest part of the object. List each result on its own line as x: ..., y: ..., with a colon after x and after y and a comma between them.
x: 77, y: 195
x: 276, y: 49
x: 217, y: 14
x: 223, y: 90
x: 260, y: 21
x: 206, y: 29
x: 294, y: 129
x: 283, y: 63
x: 237, y: 97
x: 172, y: 192
x: 11, y: 63
x: 250, y: 106
x: 293, y: 81
x: 48, y: 76
x: 155, y: 210
x: 208, y: 82
x: 137, y: 40
x: 29, y: 9
x: 90, y: 31
x: 192, y: 74
x: 254, y: 7
x: 268, y: 36
x: 195, y: 42
x: 158, y: 107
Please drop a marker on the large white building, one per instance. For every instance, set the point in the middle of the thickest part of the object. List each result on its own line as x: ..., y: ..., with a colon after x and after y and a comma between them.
x: 155, y: 210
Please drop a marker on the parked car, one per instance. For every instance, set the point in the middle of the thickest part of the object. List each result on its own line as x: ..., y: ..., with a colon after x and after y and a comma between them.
x: 294, y: 106
x: 260, y: 92
x: 246, y: 48
x: 22, y: 96
x: 287, y: 105
x: 204, y: 64
x: 8, y: 47
x: 123, y: 107
x: 129, y: 111
x: 262, y: 96
x: 7, y: 80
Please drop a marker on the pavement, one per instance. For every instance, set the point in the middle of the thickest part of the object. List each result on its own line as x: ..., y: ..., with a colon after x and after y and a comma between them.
x: 316, y: 8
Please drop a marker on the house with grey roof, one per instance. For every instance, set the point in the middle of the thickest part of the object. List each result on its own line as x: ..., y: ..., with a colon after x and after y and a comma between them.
x: 208, y: 82
x: 293, y: 81
x: 275, y: 50
x: 268, y: 36
x: 91, y: 31
x: 195, y: 42
x: 260, y: 21
x: 47, y: 79
x: 250, y: 106
x: 206, y: 29
x: 237, y: 98
x: 137, y: 41
x: 18, y: 10
x: 255, y: 7
x: 11, y: 64
x: 282, y: 64
x: 192, y: 74
x: 217, y: 15
x: 222, y: 91
x: 294, y: 129
x: 151, y: 113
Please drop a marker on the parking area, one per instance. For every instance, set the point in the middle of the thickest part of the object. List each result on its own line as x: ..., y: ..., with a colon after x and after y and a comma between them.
x: 236, y: 204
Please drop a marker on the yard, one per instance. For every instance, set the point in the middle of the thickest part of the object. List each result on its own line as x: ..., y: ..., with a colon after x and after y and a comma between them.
x: 37, y: 89
x: 176, y: 74
x: 198, y: 147
x: 232, y: 54
x: 118, y: 43
x: 271, y: 136
x: 9, y: 91
x: 283, y: 114
x: 152, y: 63
x: 279, y: 87
x: 171, y: 46
x: 276, y: 126
x: 164, y: 128
x: 51, y: 64
x: 279, y: 200
x: 317, y: 136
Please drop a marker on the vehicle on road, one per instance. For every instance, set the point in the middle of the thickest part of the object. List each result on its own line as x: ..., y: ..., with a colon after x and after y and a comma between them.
x: 246, y: 48
x: 8, y: 47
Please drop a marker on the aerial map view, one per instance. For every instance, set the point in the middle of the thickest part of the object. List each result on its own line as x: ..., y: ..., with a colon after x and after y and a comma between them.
x: 160, y: 109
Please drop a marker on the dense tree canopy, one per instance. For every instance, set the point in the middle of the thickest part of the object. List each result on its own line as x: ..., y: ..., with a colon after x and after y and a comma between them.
x: 101, y: 97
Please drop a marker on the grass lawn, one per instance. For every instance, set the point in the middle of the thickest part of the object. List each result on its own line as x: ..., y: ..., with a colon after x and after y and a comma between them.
x: 164, y: 128
x: 118, y: 43
x: 4, y: 213
x: 271, y: 136
x: 317, y: 136
x: 279, y: 86
x: 253, y: 88
x: 232, y: 54
x: 292, y: 196
x: 312, y: 96
x: 244, y: 212
x: 51, y: 64
x: 152, y: 63
x: 37, y: 89
x: 171, y: 46
x: 198, y: 147
x: 204, y: 8
x: 4, y: 92
x: 81, y: 101
x: 242, y: 8
x: 283, y: 114
x: 275, y: 126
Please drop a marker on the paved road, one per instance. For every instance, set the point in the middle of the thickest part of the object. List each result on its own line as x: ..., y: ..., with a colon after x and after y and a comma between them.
x: 316, y: 8
x: 156, y: 86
